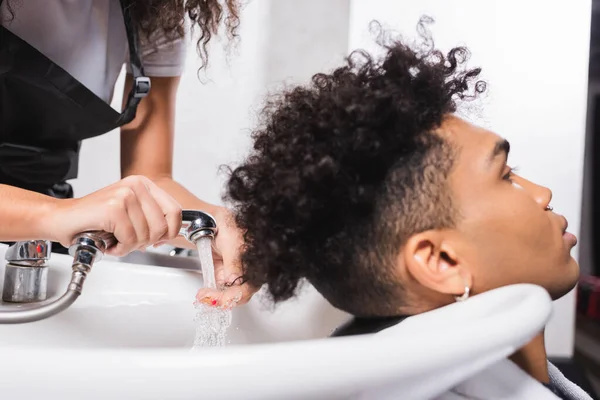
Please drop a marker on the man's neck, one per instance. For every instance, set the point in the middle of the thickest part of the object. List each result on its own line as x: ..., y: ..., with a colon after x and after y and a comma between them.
x: 532, y: 359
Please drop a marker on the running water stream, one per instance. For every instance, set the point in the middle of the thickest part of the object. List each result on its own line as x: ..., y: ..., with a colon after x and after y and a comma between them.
x: 211, y: 322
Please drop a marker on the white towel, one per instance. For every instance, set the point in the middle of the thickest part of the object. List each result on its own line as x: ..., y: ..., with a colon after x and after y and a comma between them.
x: 506, y: 381
x: 565, y: 386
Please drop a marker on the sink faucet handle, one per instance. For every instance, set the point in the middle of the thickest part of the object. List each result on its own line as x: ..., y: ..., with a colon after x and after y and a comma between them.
x: 99, y: 241
x: 33, y: 252
x: 86, y: 249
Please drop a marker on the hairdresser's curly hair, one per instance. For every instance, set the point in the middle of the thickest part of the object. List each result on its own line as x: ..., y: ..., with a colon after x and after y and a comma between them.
x: 168, y: 16
x: 345, y: 169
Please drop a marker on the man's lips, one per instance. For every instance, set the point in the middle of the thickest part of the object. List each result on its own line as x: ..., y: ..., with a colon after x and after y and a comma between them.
x: 568, y: 236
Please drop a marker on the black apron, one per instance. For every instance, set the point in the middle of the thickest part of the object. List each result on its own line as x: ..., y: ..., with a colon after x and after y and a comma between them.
x: 45, y: 113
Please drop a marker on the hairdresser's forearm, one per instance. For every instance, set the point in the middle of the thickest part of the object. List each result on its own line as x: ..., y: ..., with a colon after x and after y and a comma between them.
x: 24, y: 215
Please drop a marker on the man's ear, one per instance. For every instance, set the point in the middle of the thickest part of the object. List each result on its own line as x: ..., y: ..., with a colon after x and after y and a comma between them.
x: 432, y: 261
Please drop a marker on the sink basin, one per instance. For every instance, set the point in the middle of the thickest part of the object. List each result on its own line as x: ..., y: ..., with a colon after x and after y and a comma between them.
x: 139, y: 306
x: 129, y: 336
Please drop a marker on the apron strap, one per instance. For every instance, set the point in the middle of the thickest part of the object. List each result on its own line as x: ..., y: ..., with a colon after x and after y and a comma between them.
x: 141, y: 83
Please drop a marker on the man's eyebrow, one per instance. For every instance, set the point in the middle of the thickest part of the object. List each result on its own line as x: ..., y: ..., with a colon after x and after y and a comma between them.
x: 502, y: 147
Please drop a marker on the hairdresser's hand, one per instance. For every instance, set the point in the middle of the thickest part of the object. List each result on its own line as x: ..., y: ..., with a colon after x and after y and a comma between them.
x: 231, y: 291
x: 134, y: 209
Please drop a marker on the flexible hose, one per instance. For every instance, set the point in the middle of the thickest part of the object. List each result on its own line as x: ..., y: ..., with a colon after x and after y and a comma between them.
x: 37, y: 311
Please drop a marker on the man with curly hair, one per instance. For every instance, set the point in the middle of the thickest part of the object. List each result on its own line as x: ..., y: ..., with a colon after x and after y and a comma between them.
x: 367, y: 185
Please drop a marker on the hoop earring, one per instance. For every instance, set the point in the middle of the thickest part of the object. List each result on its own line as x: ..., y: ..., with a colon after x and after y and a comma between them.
x: 464, y: 296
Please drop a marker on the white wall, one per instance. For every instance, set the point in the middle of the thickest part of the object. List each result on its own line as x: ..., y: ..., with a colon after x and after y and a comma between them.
x: 534, y: 54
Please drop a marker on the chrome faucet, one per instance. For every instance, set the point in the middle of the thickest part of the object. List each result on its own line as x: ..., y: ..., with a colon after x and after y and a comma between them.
x: 197, y: 224
x: 27, y: 276
x: 26, y: 271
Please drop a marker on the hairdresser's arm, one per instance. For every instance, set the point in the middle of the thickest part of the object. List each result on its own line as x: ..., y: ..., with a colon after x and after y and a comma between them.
x: 147, y: 144
x: 147, y: 149
x: 24, y: 213
x: 135, y: 210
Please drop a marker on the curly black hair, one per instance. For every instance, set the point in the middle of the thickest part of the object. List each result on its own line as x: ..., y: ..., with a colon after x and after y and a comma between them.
x: 206, y: 15
x: 168, y: 17
x: 345, y: 169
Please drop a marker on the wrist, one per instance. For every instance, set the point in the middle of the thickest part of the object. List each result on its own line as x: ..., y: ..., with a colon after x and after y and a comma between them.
x: 212, y: 209
x: 187, y: 199
x: 45, y: 218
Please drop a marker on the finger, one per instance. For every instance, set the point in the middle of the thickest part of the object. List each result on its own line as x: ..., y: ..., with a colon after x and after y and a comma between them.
x: 171, y: 210
x: 215, y: 250
x: 210, y: 297
x: 118, y: 250
x: 139, y: 223
x: 234, y: 296
x: 157, y: 223
x: 229, y: 272
x: 229, y: 246
x: 219, y: 272
x: 123, y: 209
x: 228, y: 298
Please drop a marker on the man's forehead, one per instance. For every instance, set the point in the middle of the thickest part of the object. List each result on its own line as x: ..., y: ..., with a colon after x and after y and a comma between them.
x: 467, y: 136
x: 475, y: 148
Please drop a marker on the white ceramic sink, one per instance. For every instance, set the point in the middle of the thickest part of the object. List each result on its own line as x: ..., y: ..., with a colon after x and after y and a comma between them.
x: 129, y: 336
x: 128, y: 305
